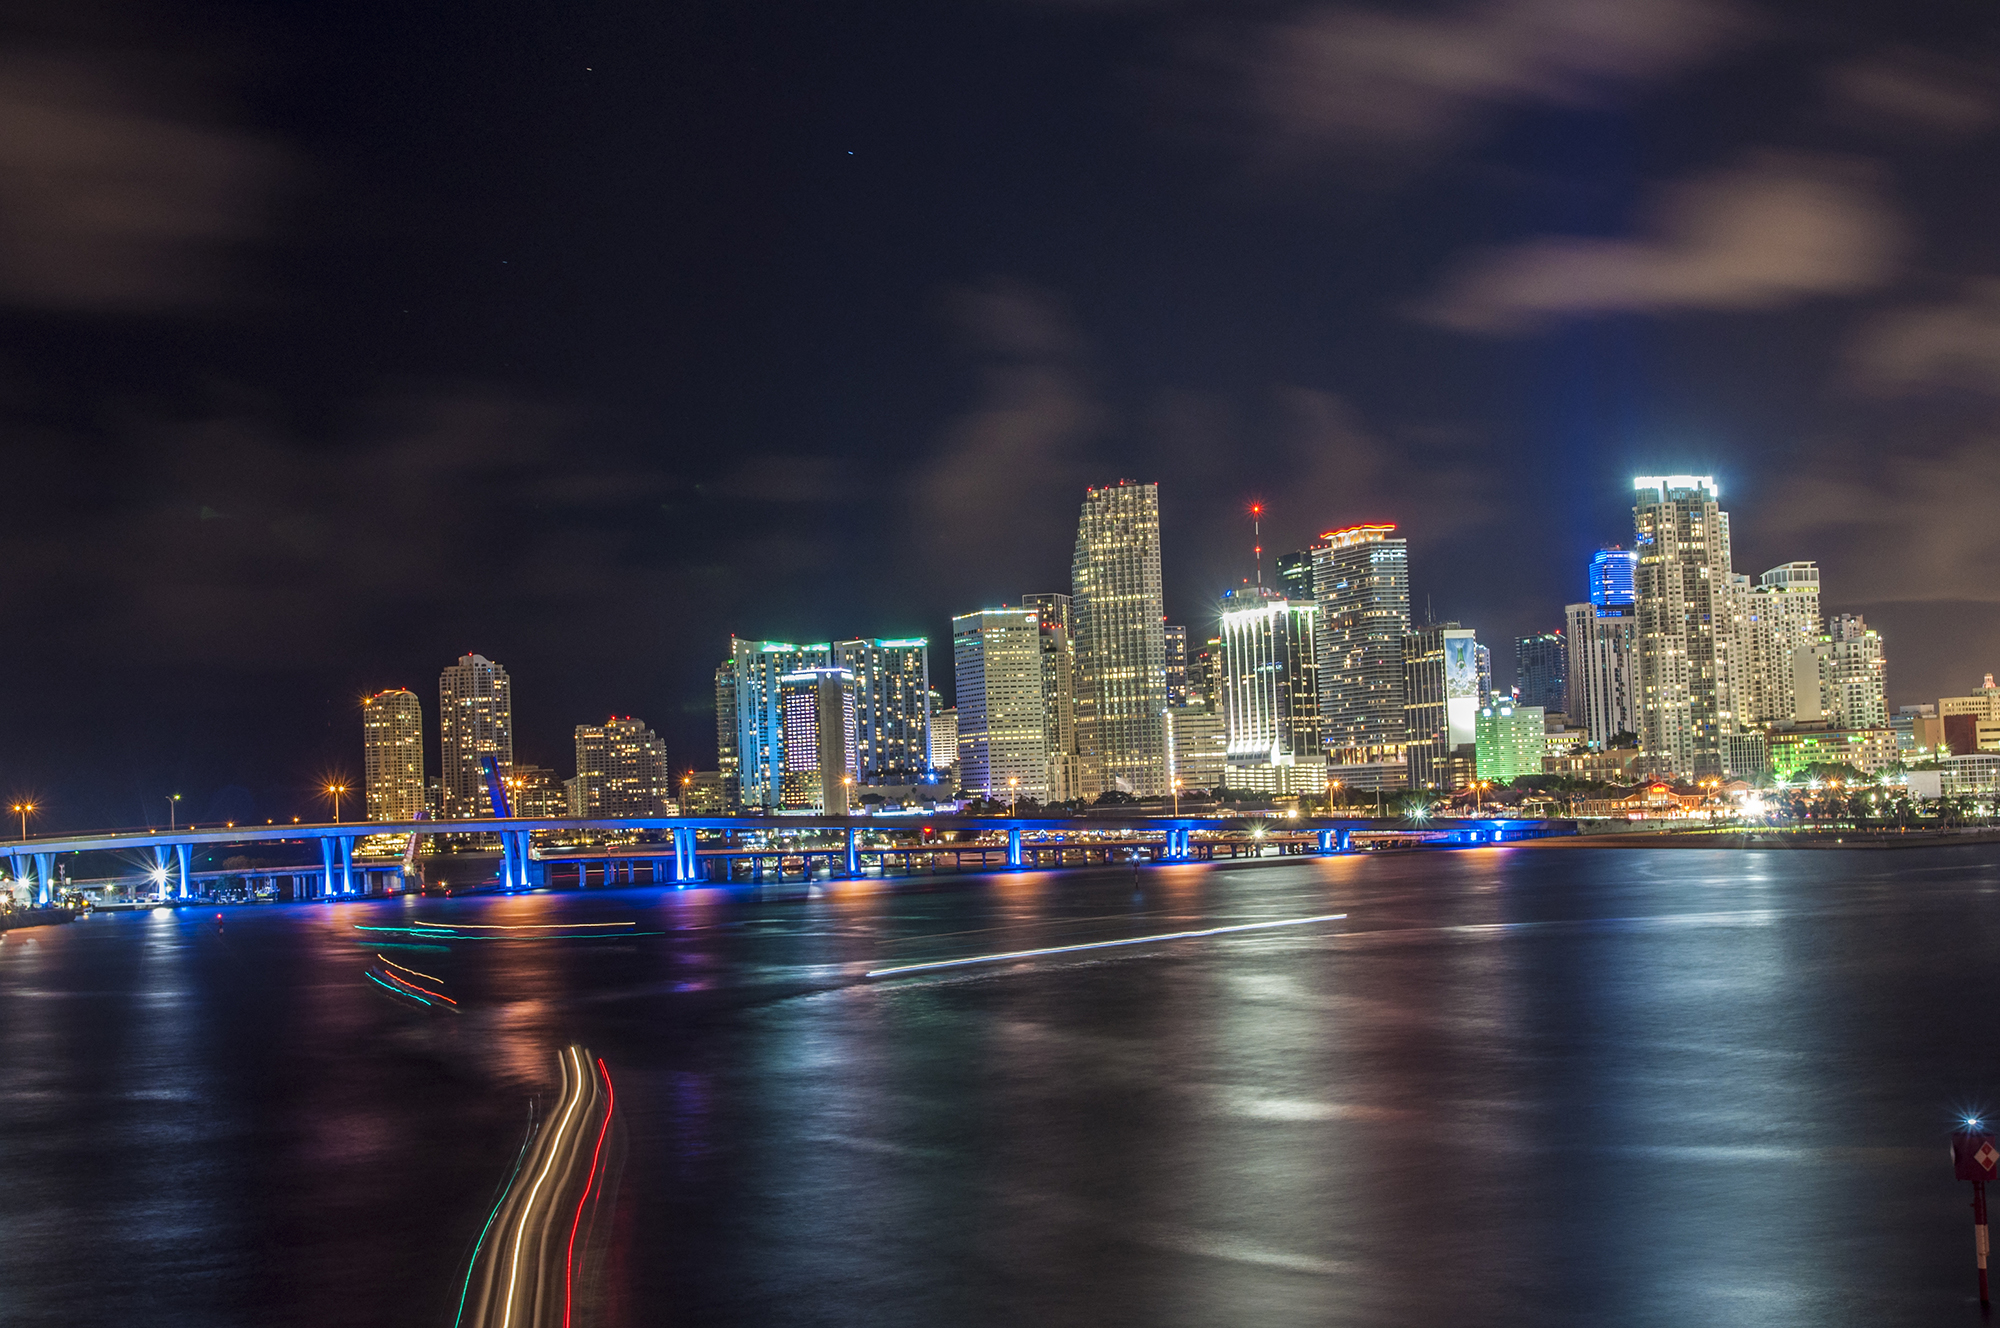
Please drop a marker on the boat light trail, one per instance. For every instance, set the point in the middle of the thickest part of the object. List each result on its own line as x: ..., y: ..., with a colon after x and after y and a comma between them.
x: 528, y: 1208
x: 1101, y: 945
x: 518, y: 926
x: 407, y: 969
x: 398, y: 990
x: 569, y: 1257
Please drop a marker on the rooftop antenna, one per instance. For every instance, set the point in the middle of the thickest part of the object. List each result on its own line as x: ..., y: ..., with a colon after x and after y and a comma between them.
x: 1257, y: 534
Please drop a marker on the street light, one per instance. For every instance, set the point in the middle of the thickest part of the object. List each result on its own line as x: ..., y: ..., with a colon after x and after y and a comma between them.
x: 173, y: 807
x: 24, y: 810
x: 1177, y: 799
x: 1013, y: 793
x: 336, y: 790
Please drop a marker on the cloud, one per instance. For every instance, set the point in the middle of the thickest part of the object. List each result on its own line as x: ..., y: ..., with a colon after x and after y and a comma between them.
x: 1347, y: 77
x: 114, y: 200
x: 1767, y: 233
x: 1008, y: 471
x: 1915, y: 89
x: 1950, y: 345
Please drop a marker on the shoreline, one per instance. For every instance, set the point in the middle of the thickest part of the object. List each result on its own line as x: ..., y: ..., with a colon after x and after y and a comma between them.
x: 1844, y: 839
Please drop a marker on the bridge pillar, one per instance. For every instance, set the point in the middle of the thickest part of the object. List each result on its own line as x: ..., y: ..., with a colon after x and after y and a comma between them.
x: 20, y: 869
x: 326, y: 866
x: 45, y: 872
x: 530, y: 872
x: 160, y: 855
x: 1343, y: 841
x: 690, y: 856
x: 185, y: 854
x: 853, y: 853
x: 1013, y: 846
x: 347, y: 864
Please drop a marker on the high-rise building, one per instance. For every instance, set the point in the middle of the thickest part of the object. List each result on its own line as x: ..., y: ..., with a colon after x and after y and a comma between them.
x: 1482, y: 662
x: 1603, y: 692
x: 1440, y: 699
x: 1361, y: 582
x: 392, y: 755
x: 1177, y: 664
x: 475, y: 719
x: 757, y: 669
x: 1121, y: 642
x: 1002, y: 711
x: 1773, y: 621
x: 1197, y: 748
x: 537, y: 791
x: 1295, y: 574
x: 1541, y: 670
x: 621, y: 770
x: 821, y: 720
x: 1614, y: 574
x: 1065, y: 777
x: 1683, y: 592
x: 1270, y: 693
x: 1202, y: 666
x: 944, y: 737
x: 892, y: 691
x: 1841, y: 677
x: 1511, y: 740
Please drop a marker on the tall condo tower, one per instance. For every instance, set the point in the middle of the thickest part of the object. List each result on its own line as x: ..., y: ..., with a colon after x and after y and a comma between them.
x: 822, y: 726
x: 1270, y: 693
x: 1440, y: 699
x: 1002, y: 709
x: 892, y: 694
x: 1120, y: 642
x: 1603, y: 688
x: 756, y: 668
x: 392, y: 755
x: 475, y: 719
x: 1683, y: 589
x: 1774, y: 620
x: 1058, y: 626
x: 621, y: 770
x: 1361, y: 579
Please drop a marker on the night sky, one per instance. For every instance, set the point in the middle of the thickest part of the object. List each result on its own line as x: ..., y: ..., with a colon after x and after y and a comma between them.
x: 337, y: 340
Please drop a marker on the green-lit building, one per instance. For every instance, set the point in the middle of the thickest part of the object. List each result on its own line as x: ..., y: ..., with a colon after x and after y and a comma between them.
x: 1509, y: 740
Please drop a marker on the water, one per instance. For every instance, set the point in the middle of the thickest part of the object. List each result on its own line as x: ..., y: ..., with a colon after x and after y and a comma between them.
x: 1513, y: 1087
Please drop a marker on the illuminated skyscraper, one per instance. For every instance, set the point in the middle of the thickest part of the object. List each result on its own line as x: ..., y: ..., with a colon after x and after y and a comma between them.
x: 1686, y: 710
x: 475, y: 719
x: 1846, y: 676
x: 1511, y: 741
x: 728, y: 734
x: 822, y: 740
x: 1064, y: 781
x: 1773, y: 621
x: 757, y: 668
x: 1120, y: 642
x: 1603, y: 694
x: 1177, y: 664
x: 1270, y: 693
x: 944, y: 736
x: 1361, y: 580
x: 1440, y: 699
x: 892, y: 691
x: 1614, y: 577
x: 1002, y: 707
x: 392, y: 755
x: 621, y: 770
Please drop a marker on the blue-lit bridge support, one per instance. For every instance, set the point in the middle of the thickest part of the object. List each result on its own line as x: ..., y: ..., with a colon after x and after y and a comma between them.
x: 326, y: 866
x: 1013, y: 846
x: 854, y: 853
x: 1336, y: 841
x: 45, y: 878
x: 184, y: 859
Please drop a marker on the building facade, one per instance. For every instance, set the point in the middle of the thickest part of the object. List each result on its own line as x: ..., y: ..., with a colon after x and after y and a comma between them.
x: 621, y: 770
x: 1541, y: 670
x: 1511, y: 741
x: 821, y: 761
x: 944, y: 738
x: 1361, y: 582
x: 1270, y: 693
x: 1176, y: 637
x: 1002, y: 735
x: 1440, y: 700
x: 392, y: 755
x: 1197, y: 746
x: 892, y: 690
x: 1846, y: 677
x: 475, y: 720
x: 1121, y: 645
x: 728, y: 735
x: 1683, y: 594
x: 1773, y: 621
x: 1064, y: 781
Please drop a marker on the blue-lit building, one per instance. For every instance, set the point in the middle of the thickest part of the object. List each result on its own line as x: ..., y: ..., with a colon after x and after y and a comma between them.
x: 1614, y: 578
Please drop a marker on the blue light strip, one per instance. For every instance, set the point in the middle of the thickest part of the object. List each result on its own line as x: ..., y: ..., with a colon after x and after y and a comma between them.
x: 1101, y: 945
x: 398, y: 990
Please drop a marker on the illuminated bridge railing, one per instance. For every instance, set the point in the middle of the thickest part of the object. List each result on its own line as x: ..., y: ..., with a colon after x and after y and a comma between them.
x: 676, y: 855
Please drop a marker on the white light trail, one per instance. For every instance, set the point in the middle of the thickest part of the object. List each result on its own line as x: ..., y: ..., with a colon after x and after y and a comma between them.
x: 1102, y: 945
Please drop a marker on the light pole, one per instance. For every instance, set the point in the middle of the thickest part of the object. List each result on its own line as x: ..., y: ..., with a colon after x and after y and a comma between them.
x: 1013, y: 793
x: 173, y: 810
x: 336, y: 790
x: 24, y: 810
x: 1177, y: 799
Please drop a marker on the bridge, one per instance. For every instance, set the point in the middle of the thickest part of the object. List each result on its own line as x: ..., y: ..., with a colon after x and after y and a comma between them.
x: 672, y: 850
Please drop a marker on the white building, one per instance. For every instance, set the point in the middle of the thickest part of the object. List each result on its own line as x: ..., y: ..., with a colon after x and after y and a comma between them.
x: 1002, y: 736
x: 475, y: 719
x: 392, y: 755
x: 1269, y: 681
x: 1121, y: 642
x: 1603, y: 669
x: 1683, y: 585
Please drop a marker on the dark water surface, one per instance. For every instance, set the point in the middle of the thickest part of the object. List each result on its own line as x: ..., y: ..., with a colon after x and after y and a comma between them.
x: 1513, y: 1087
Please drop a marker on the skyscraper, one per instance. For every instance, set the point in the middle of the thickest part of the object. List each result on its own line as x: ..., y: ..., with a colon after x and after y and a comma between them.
x: 1002, y: 710
x: 728, y: 752
x: 1614, y: 576
x: 1270, y: 693
x: 1441, y: 699
x: 1604, y: 670
x: 1361, y: 581
x: 944, y: 737
x: 392, y: 755
x: 821, y: 740
x: 1511, y: 741
x: 1120, y: 640
x: 1683, y: 594
x: 1845, y: 673
x: 1065, y: 777
x: 892, y: 690
x: 1541, y: 670
x: 621, y: 770
x: 757, y: 668
x: 475, y: 719
x: 1774, y: 620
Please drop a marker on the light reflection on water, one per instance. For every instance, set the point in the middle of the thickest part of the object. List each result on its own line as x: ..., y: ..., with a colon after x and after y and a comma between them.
x: 1513, y: 1087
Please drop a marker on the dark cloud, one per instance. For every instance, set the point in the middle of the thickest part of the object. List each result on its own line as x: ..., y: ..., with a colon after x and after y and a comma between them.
x: 115, y: 196
x: 1953, y: 344
x: 1913, y: 89
x: 1761, y: 235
